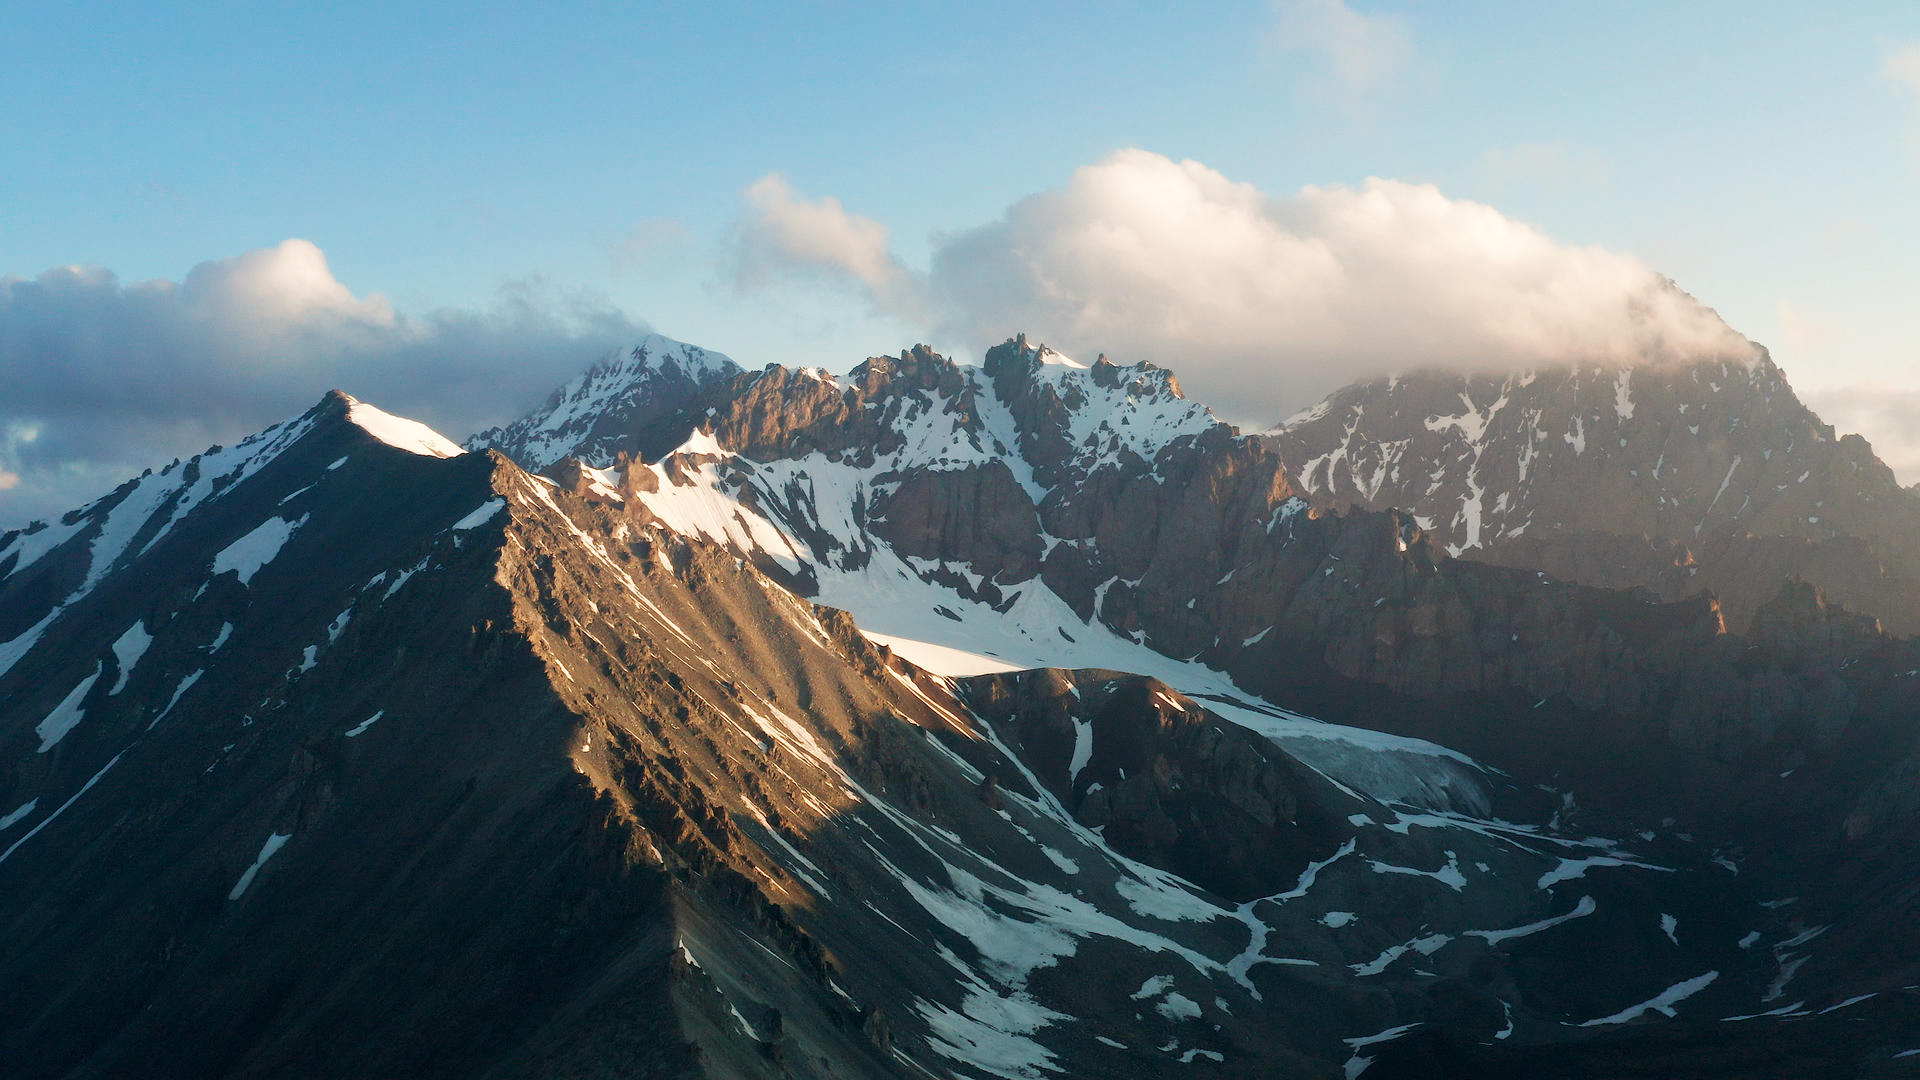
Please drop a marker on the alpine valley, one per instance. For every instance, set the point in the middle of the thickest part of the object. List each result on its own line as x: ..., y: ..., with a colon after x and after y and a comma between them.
x: 1015, y: 720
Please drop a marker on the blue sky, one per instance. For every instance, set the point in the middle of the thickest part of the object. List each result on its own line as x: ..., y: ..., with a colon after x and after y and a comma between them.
x: 1764, y: 156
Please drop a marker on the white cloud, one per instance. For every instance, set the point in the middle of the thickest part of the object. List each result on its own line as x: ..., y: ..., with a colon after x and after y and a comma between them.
x: 1361, y: 52
x: 104, y: 378
x: 1263, y: 302
x: 787, y: 234
x: 276, y: 290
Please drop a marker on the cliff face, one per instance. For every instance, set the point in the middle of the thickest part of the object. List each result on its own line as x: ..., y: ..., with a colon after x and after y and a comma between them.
x: 1712, y: 477
x: 1102, y: 490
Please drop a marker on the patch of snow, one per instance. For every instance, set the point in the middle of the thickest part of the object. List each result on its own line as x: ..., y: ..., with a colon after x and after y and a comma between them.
x: 248, y: 554
x: 128, y: 649
x: 1854, y: 1000
x: 1391, y: 768
x: 990, y: 1033
x: 1448, y: 875
x: 1570, y: 869
x: 23, y: 643
x: 1153, y: 987
x: 1585, y: 907
x: 19, y: 814
x: 185, y: 685
x: 49, y: 819
x: 397, y: 431
x: 1178, y: 1007
x: 702, y: 443
x: 66, y: 715
x: 1784, y: 1010
x: 1425, y: 946
x: 274, y: 843
x: 1662, y: 1003
x: 361, y: 727
x: 480, y: 516
x: 1356, y: 1064
x: 1082, y: 749
x: 941, y: 659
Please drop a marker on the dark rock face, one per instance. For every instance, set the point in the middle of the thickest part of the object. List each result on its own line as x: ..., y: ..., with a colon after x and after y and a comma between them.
x: 978, y: 516
x: 1712, y: 477
x: 1167, y: 782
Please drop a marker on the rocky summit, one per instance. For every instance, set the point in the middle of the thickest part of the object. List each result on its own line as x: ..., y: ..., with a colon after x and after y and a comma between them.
x: 1017, y: 720
x: 1703, y: 477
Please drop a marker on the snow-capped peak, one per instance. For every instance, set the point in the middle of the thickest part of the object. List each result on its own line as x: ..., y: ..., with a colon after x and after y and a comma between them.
x: 399, y: 432
x: 653, y: 379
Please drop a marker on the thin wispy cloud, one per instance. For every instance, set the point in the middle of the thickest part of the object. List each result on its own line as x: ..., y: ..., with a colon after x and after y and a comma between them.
x: 1902, y: 67
x: 1357, y: 51
x: 785, y: 235
x: 105, y: 378
x: 654, y: 238
x: 1554, y: 163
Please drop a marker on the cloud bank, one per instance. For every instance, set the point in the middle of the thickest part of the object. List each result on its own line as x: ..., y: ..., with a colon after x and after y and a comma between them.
x: 106, y: 378
x: 1264, y: 302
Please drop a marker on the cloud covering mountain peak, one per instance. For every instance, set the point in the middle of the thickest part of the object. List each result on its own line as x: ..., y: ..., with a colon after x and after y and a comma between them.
x: 106, y: 377
x: 1269, y: 299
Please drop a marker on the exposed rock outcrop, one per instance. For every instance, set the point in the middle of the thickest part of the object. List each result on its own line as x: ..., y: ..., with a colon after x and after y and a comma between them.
x: 1710, y: 477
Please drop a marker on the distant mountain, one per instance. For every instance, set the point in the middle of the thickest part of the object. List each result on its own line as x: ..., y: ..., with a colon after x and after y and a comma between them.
x: 616, y: 406
x: 1710, y: 476
x: 930, y: 720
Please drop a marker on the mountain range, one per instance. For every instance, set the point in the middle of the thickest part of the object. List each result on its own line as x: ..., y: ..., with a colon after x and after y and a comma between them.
x: 1012, y: 720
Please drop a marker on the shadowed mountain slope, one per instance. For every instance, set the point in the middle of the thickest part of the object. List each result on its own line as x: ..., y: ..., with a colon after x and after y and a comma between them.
x: 1709, y: 477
